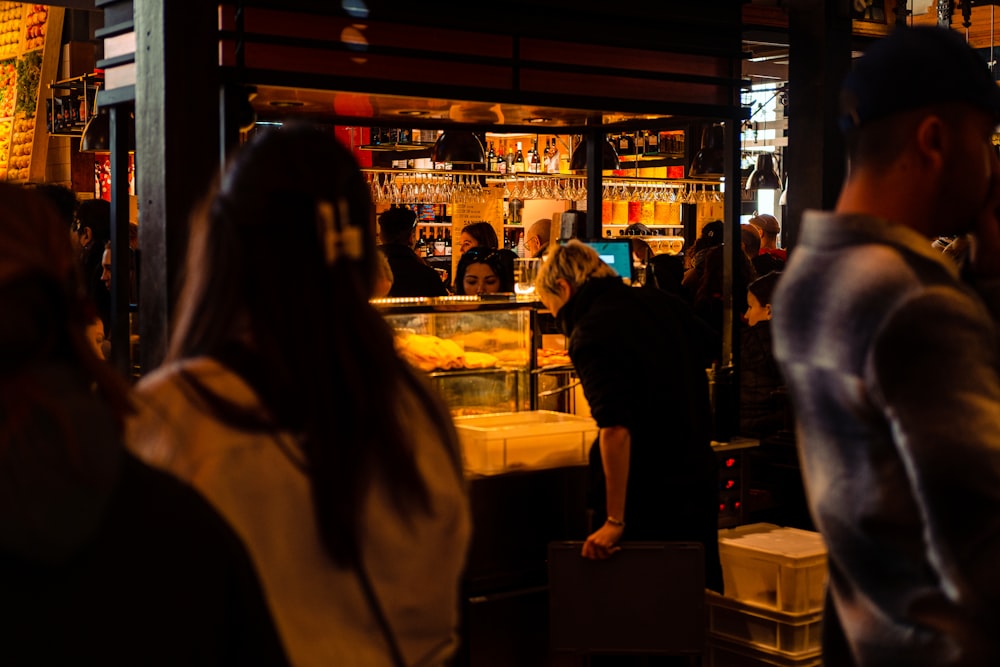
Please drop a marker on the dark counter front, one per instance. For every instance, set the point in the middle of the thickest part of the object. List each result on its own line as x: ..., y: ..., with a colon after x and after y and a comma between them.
x: 505, y: 601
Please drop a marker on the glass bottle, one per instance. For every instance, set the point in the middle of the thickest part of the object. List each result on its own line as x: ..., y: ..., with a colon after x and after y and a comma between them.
x: 518, y: 165
x: 652, y: 143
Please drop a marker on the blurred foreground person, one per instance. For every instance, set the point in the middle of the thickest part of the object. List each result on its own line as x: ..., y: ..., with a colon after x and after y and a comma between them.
x: 653, y: 473
x: 283, y: 401
x: 891, y: 361
x: 103, y: 560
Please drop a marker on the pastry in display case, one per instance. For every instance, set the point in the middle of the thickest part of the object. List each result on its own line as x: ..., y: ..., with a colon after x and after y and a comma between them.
x: 479, y: 353
x: 484, y: 358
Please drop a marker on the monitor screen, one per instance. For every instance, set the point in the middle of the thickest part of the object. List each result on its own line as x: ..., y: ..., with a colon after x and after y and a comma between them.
x: 616, y: 253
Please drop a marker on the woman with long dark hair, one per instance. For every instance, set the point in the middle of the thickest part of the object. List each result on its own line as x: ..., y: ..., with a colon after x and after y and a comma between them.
x: 283, y: 401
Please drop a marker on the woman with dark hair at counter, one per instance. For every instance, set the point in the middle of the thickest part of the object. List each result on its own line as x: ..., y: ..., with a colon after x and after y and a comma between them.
x: 283, y: 401
x: 477, y: 235
x: 485, y: 271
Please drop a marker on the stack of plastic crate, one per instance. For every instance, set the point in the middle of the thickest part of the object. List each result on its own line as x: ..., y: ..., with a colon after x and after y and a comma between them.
x: 775, y: 580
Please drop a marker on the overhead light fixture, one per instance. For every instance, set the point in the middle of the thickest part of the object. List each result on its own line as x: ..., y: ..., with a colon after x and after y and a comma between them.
x: 708, y: 161
x: 458, y: 146
x: 609, y: 157
x: 96, y: 137
x: 764, y: 176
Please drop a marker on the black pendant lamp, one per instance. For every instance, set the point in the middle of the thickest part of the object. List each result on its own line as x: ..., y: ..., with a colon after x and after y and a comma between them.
x: 764, y: 176
x: 708, y: 162
x: 96, y: 137
x: 609, y: 157
x: 458, y: 146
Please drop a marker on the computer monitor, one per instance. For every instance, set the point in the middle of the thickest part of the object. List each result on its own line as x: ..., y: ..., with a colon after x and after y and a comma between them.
x: 616, y: 253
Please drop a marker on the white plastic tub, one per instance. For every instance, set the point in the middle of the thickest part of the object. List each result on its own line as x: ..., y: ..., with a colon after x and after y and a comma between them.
x: 534, y: 439
x: 783, y: 569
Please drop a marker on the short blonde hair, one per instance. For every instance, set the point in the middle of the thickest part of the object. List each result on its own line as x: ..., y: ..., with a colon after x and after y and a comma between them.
x: 575, y: 263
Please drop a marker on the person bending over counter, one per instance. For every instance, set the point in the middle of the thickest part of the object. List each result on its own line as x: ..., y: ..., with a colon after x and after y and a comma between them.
x: 653, y: 472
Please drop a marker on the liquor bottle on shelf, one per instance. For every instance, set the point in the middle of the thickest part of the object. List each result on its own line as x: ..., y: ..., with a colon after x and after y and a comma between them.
x: 535, y: 166
x: 652, y: 143
x: 518, y: 166
x: 555, y: 158
x: 640, y: 143
x: 500, y: 165
x: 624, y: 146
x: 421, y: 244
x: 491, y: 159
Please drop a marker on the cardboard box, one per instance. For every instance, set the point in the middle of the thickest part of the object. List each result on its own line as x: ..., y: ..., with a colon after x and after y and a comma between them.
x: 783, y: 569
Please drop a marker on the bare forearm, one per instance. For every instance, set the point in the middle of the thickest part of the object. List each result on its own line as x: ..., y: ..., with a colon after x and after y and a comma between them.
x: 616, y: 443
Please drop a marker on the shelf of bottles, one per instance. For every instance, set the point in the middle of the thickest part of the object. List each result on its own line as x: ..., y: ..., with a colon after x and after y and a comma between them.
x: 71, y: 103
x: 655, y: 203
x: 648, y: 188
x: 398, y: 139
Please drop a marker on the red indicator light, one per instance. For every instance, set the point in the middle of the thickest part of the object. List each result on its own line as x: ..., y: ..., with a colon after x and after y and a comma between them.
x: 730, y: 462
x: 730, y: 483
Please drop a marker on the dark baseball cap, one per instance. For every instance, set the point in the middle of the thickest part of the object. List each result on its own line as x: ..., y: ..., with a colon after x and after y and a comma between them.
x: 915, y: 67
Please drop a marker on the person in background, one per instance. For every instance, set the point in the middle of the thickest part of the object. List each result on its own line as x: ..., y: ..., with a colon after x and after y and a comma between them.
x: 770, y: 257
x: 666, y: 272
x: 762, y: 412
x: 892, y: 364
x: 706, y: 282
x: 94, y: 332
x: 485, y: 271
x: 477, y: 235
x: 750, y: 241
x: 536, y: 239
x: 103, y: 560
x: 711, y: 235
x: 92, y: 230
x: 411, y: 275
x: 383, y: 276
x: 647, y: 482
x: 283, y: 401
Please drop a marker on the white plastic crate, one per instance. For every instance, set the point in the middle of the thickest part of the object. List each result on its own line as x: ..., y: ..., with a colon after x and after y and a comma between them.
x: 533, y: 439
x: 793, y: 634
x: 783, y: 569
x: 722, y: 653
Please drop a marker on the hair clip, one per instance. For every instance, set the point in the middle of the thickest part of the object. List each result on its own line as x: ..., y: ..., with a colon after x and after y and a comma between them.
x: 338, y: 240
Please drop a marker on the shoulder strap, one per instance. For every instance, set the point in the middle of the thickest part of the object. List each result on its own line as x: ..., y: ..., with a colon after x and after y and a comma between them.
x: 390, y: 637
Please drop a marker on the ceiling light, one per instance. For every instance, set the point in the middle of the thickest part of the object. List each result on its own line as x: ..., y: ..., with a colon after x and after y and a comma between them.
x: 609, y: 157
x: 457, y: 146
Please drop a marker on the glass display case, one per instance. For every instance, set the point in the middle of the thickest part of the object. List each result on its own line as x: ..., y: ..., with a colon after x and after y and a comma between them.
x: 478, y: 352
